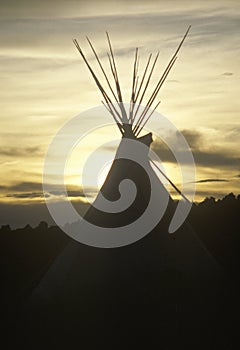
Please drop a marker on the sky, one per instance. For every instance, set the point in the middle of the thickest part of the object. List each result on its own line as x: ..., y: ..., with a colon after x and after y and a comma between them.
x: 44, y: 84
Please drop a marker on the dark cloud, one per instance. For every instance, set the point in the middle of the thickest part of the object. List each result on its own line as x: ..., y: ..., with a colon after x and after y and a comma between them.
x: 211, y: 180
x: 216, y: 158
x: 23, y: 190
x: 76, y: 194
x: 72, y: 193
x: 163, y: 152
x: 23, y: 187
x: 25, y: 195
x: 193, y: 137
x: 47, y: 195
x: 228, y: 74
x: 21, y: 152
x: 30, y: 190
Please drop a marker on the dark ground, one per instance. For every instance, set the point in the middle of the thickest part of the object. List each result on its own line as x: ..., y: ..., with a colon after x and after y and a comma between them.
x: 160, y: 307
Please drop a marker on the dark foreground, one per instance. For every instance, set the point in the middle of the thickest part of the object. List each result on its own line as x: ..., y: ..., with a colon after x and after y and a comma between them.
x: 122, y: 297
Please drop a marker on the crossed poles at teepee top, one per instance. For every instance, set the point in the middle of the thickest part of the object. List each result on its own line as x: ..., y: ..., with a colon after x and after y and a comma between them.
x: 139, y: 88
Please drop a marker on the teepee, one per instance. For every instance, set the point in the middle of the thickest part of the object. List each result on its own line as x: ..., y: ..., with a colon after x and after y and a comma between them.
x: 154, y: 282
x: 130, y: 123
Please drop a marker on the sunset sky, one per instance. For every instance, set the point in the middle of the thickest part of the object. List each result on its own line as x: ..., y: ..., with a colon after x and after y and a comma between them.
x: 44, y: 82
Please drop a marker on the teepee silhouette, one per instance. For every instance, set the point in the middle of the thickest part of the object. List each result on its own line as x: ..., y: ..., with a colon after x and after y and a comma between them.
x: 130, y: 123
x: 158, y: 282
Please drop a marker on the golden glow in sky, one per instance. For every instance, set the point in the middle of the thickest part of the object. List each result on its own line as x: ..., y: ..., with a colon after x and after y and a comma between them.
x: 44, y: 82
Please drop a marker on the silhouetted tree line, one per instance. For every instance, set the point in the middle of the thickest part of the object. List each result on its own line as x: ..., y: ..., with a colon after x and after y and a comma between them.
x: 217, y: 222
